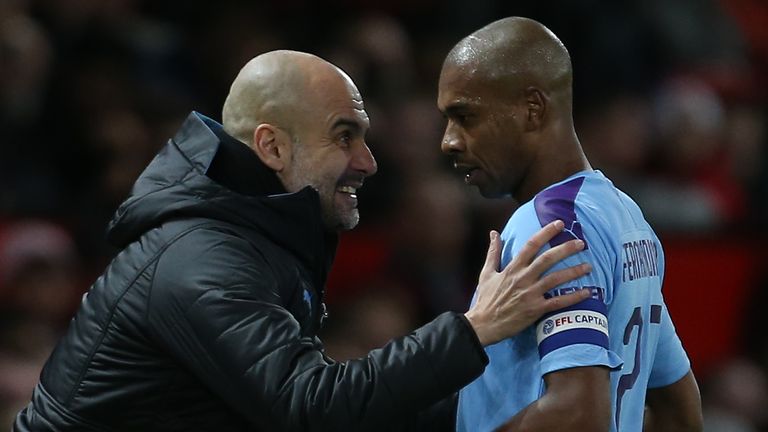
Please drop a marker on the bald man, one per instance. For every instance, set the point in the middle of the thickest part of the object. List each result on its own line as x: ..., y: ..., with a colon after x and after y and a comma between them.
x: 207, y: 319
x: 506, y: 92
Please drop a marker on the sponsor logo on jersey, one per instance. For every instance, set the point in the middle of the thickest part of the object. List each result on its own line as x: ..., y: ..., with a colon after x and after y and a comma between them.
x: 597, y: 292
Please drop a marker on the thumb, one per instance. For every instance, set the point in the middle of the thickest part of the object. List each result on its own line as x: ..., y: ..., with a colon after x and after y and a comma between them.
x: 493, y: 258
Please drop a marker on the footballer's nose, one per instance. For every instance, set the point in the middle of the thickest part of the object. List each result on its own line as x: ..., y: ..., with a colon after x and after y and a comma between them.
x: 452, y: 142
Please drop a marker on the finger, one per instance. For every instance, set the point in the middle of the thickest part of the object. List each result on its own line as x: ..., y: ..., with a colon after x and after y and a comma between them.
x: 559, y: 277
x: 493, y: 257
x: 563, y: 301
x: 536, y: 242
x: 551, y: 256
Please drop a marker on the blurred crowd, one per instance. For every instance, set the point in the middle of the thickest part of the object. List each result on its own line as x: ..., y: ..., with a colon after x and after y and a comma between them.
x: 670, y: 103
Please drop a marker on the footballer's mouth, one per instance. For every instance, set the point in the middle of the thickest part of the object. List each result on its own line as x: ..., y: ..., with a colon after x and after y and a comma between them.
x: 469, y: 172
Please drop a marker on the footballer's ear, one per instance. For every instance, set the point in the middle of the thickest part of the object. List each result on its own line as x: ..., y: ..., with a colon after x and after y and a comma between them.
x: 272, y: 145
x: 536, y: 108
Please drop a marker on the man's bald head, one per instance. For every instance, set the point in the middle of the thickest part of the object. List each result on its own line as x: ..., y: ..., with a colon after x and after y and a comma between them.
x: 306, y: 121
x: 277, y: 87
x: 515, y: 52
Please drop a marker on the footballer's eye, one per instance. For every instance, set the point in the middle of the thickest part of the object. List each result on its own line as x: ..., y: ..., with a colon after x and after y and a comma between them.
x: 460, y: 117
x: 466, y: 117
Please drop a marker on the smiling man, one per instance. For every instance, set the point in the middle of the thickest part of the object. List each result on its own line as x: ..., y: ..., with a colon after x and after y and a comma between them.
x: 312, y: 134
x: 207, y: 319
x: 506, y: 93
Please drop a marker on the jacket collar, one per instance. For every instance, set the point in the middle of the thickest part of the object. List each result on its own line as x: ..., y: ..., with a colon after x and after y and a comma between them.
x: 204, y: 172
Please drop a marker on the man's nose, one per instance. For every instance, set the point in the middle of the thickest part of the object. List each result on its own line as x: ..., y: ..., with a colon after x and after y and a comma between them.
x: 363, y: 161
x: 452, y: 142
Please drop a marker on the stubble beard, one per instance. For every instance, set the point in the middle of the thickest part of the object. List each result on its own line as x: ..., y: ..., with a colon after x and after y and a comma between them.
x: 336, y: 216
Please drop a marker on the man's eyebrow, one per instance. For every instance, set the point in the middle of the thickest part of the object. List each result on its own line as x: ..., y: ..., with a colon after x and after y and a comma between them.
x: 456, y: 107
x: 349, y: 123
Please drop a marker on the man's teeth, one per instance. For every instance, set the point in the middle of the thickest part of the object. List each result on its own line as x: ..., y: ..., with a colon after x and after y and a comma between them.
x: 348, y: 190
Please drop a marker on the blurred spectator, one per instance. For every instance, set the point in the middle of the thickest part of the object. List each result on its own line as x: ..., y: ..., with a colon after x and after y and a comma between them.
x: 691, y: 167
x: 431, y: 232
x: 25, y: 58
x: 24, y: 346
x: 24, y: 66
x: 39, y: 287
x: 734, y: 398
x: 377, y: 48
x: 617, y: 137
x: 368, y: 320
x: 695, y: 32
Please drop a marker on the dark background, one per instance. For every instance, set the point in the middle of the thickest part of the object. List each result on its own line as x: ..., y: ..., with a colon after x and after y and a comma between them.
x: 670, y: 102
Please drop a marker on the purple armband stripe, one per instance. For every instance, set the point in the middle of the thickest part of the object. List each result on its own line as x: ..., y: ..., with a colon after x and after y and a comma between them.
x: 572, y: 337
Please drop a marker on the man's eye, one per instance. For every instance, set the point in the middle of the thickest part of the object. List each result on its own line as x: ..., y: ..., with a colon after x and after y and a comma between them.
x: 345, y: 139
x: 461, y: 118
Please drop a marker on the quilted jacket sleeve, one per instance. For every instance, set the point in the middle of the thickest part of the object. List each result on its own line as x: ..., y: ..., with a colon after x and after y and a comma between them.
x: 216, y: 308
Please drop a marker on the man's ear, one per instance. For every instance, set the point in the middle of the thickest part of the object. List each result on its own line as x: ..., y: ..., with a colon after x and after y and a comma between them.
x: 536, y: 108
x: 270, y: 145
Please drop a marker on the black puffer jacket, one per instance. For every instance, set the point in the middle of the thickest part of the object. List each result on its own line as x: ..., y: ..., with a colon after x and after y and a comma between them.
x: 206, y: 320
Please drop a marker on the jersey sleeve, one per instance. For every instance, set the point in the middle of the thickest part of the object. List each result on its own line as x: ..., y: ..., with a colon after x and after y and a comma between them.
x: 577, y: 335
x: 670, y: 363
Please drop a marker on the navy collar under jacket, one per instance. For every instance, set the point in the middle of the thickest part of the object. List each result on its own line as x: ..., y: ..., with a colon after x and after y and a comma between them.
x: 178, y: 184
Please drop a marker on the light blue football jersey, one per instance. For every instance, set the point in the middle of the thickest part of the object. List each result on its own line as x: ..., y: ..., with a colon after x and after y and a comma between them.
x: 624, y: 326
